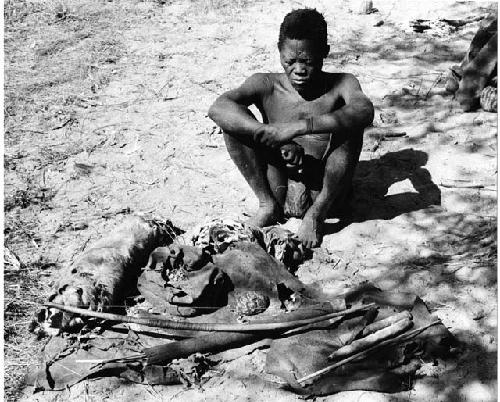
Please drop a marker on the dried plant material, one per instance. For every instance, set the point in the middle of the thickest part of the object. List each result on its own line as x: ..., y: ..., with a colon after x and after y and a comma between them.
x: 285, y: 247
x: 11, y: 261
x: 192, y: 369
x: 219, y: 234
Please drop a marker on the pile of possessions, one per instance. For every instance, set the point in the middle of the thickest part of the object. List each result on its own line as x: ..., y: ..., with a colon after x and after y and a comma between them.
x: 474, y: 81
x: 151, y: 305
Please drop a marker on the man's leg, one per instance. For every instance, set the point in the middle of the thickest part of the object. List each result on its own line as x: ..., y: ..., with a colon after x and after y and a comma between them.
x: 267, y: 180
x: 337, y: 180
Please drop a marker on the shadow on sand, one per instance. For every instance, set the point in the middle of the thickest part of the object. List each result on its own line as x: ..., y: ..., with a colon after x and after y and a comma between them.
x: 392, y: 185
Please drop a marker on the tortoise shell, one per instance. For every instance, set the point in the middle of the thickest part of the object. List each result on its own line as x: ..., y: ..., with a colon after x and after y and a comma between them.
x: 250, y: 302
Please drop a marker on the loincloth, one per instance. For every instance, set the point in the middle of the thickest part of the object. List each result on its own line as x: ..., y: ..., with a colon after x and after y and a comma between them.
x: 316, y: 145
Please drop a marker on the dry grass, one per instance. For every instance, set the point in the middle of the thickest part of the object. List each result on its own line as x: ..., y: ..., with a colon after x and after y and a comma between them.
x: 74, y: 55
x: 22, y: 292
x: 224, y: 7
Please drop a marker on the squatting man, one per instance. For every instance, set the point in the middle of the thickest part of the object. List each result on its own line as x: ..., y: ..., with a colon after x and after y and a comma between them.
x: 299, y: 161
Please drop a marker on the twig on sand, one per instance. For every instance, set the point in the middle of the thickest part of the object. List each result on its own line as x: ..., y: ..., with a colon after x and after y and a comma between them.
x: 417, y: 95
x: 107, y: 215
x: 108, y: 125
x: 467, y: 186
x: 433, y: 85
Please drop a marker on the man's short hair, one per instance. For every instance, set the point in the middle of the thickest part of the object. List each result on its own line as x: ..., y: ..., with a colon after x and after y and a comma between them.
x: 306, y: 23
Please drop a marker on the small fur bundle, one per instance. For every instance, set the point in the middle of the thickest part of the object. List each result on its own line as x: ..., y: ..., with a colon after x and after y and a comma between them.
x: 107, y: 272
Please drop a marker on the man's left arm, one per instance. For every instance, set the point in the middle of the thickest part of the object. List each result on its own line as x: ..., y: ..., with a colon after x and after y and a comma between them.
x: 355, y: 115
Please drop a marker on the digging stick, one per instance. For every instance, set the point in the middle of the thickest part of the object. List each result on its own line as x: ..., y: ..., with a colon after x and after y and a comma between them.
x: 372, y: 339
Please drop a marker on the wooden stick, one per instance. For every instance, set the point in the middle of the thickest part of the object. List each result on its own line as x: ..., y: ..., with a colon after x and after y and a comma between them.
x: 209, y: 327
x: 471, y: 186
x: 311, y: 377
x: 372, y: 339
x: 378, y: 325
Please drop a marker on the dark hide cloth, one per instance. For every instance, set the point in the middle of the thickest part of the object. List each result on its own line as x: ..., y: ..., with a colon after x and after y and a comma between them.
x: 391, y: 369
x: 65, y: 361
x: 244, y: 266
x: 68, y: 359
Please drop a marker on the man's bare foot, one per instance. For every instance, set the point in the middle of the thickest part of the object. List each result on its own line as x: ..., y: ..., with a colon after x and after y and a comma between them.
x: 267, y: 214
x: 310, y: 232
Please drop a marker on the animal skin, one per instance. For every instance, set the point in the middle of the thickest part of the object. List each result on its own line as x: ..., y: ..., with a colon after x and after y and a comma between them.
x: 107, y: 272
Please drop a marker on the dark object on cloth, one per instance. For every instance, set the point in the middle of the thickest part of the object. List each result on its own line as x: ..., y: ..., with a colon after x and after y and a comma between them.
x: 217, y: 235
x: 250, y: 267
x: 167, y: 259
x: 386, y: 370
x: 250, y: 302
x: 245, y: 266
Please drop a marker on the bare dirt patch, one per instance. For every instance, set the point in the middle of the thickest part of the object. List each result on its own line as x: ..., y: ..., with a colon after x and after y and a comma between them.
x: 105, y: 115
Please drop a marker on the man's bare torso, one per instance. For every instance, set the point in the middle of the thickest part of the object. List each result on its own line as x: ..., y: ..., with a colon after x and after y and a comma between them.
x: 281, y: 103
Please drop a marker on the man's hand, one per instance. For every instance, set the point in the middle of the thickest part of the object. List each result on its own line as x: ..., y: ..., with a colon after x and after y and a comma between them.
x: 276, y: 134
x: 292, y: 154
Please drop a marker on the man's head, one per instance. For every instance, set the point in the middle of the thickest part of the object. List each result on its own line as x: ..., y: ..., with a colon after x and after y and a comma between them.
x: 303, y: 46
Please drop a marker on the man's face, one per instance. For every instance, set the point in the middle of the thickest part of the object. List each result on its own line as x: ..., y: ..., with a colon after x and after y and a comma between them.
x: 302, y: 61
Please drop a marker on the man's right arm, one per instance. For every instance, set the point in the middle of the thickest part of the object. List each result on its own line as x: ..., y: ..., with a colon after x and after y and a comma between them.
x: 230, y: 110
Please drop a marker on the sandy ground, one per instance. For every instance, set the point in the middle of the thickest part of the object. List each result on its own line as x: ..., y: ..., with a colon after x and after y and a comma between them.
x: 150, y: 147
